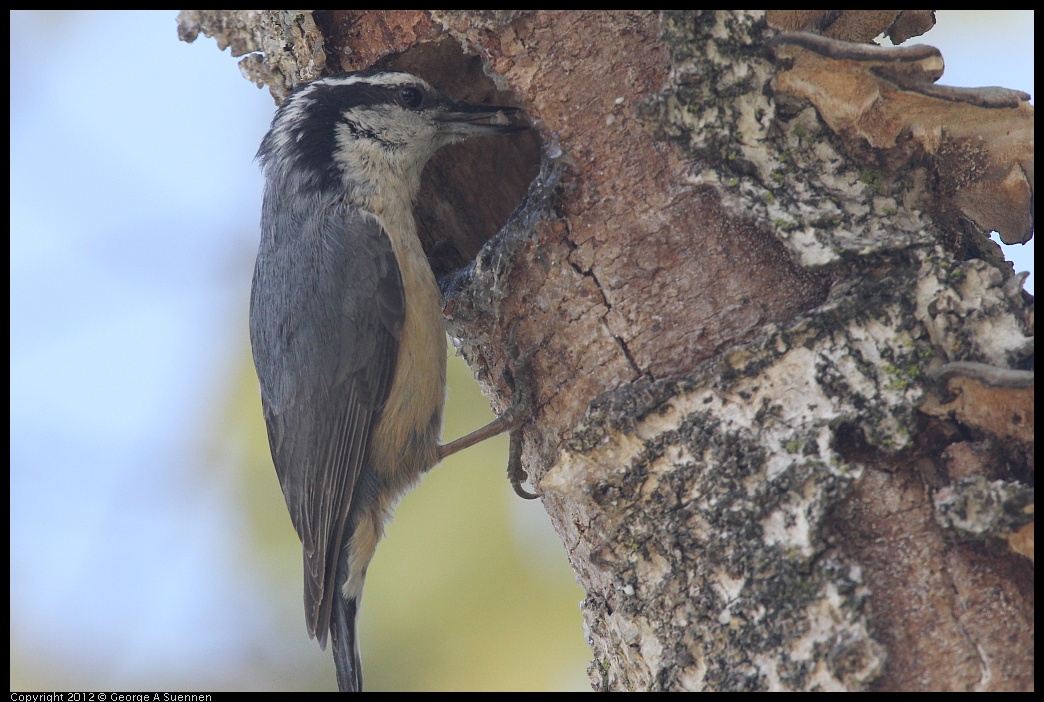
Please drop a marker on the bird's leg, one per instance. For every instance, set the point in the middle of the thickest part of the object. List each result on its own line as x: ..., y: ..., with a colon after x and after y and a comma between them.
x: 511, y: 420
x: 505, y: 422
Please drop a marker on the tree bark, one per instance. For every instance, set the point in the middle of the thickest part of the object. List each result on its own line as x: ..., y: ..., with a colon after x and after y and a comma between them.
x: 779, y: 374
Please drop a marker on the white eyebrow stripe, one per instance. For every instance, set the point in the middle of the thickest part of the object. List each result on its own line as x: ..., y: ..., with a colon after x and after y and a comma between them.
x: 389, y: 78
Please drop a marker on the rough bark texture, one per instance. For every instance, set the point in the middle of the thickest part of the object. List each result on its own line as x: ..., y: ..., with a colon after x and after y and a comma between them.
x: 747, y: 290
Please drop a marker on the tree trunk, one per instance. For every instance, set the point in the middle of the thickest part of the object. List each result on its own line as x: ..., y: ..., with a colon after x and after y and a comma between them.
x: 781, y: 417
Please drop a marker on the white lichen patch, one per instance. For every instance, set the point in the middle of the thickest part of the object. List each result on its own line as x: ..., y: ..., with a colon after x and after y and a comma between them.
x: 970, y: 311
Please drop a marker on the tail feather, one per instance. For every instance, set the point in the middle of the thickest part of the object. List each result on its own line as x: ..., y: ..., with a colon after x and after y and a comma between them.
x: 346, y: 643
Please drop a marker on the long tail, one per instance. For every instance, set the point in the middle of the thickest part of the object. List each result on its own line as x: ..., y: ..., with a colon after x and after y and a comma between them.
x: 346, y: 643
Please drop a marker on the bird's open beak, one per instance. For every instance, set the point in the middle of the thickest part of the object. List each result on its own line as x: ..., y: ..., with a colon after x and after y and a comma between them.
x: 478, y: 120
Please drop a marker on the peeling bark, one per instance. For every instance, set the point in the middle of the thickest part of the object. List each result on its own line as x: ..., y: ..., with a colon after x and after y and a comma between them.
x: 769, y: 344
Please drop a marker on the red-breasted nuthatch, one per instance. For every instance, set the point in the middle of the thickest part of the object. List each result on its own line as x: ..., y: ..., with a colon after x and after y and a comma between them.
x: 346, y: 322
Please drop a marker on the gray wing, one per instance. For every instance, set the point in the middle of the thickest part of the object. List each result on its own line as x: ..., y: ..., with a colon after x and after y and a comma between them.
x: 326, y: 314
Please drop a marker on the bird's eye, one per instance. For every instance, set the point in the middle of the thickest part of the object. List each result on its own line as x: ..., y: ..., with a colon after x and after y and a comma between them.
x: 412, y: 97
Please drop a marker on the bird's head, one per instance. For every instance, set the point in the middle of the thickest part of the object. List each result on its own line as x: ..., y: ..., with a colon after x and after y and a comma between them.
x: 370, y: 130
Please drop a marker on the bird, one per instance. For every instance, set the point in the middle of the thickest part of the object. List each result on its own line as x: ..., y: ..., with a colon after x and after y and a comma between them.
x: 346, y: 322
